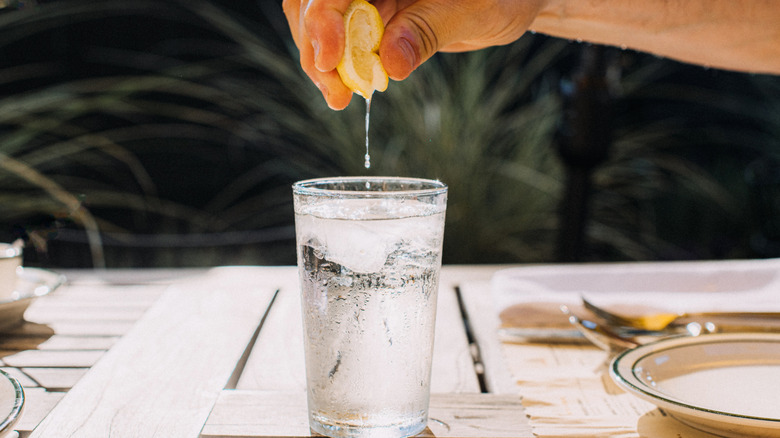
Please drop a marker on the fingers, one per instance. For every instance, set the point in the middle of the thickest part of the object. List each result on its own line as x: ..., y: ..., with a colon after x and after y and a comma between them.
x: 319, y: 55
x: 292, y: 13
x: 415, y: 30
x: 336, y: 94
x: 324, y: 21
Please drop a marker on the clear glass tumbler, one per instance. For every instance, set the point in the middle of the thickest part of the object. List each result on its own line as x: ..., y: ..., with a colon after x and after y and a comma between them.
x: 369, y: 256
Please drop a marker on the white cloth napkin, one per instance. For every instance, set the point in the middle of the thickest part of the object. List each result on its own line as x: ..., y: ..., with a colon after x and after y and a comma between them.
x: 747, y: 285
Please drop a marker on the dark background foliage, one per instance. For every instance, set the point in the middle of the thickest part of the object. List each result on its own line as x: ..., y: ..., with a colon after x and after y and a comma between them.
x: 168, y: 133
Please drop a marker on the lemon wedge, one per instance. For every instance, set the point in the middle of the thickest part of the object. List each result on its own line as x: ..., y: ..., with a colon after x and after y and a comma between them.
x: 360, y: 68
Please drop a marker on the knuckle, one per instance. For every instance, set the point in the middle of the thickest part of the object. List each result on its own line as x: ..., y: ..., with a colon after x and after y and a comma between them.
x: 425, y: 32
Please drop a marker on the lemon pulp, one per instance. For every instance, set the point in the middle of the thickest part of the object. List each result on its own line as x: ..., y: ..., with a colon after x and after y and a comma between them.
x: 360, y: 68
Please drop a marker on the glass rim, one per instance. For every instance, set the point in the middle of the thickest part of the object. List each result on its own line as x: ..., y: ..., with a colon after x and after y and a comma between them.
x: 314, y: 187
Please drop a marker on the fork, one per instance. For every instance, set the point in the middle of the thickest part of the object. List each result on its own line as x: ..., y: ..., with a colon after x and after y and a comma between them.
x: 600, y: 336
x: 616, y: 339
x: 662, y: 320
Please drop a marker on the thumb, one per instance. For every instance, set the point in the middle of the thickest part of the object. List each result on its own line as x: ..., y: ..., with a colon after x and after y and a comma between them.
x: 411, y: 37
x: 425, y: 27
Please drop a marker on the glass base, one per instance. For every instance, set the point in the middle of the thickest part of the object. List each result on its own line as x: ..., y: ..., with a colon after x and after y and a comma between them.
x: 344, y: 429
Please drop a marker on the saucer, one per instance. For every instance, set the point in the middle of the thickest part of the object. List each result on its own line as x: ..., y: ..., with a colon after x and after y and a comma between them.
x: 11, y: 402
x: 31, y: 283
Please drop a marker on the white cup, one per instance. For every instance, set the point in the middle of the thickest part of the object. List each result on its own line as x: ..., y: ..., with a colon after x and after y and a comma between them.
x: 10, y: 263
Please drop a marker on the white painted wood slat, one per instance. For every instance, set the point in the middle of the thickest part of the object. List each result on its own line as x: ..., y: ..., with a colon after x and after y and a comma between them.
x: 163, y: 378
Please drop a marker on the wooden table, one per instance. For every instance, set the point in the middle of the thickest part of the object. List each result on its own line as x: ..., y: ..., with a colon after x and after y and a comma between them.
x: 218, y: 353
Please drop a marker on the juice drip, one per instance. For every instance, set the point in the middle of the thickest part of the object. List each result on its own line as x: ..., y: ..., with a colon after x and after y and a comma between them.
x: 368, y: 111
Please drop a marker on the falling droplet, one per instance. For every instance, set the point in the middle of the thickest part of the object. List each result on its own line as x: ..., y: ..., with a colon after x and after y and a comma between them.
x: 368, y: 111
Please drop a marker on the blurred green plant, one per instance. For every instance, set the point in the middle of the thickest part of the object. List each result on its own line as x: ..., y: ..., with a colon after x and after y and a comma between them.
x: 468, y: 121
x: 675, y: 183
x: 475, y: 135
x: 197, y: 124
x: 483, y: 123
x: 70, y: 147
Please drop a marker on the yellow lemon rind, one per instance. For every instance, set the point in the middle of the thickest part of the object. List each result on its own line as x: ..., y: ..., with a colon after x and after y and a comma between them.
x: 368, y: 55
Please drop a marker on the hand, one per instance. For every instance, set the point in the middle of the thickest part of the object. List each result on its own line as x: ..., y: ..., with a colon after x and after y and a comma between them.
x: 317, y: 27
x: 414, y: 31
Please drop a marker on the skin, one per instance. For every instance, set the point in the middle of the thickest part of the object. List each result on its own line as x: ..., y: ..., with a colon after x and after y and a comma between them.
x: 728, y: 34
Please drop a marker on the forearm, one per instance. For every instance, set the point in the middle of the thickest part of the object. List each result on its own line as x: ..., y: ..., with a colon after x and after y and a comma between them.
x: 735, y: 35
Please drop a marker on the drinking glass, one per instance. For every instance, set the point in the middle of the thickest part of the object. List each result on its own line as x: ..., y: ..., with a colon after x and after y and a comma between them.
x: 369, y: 256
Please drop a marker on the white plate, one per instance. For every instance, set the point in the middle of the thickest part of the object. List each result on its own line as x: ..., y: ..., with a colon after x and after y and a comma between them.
x: 31, y: 283
x: 11, y: 402
x: 726, y: 384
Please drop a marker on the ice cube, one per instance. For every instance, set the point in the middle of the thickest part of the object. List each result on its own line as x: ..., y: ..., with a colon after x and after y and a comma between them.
x: 354, y: 235
x: 314, y: 260
x: 359, y: 246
